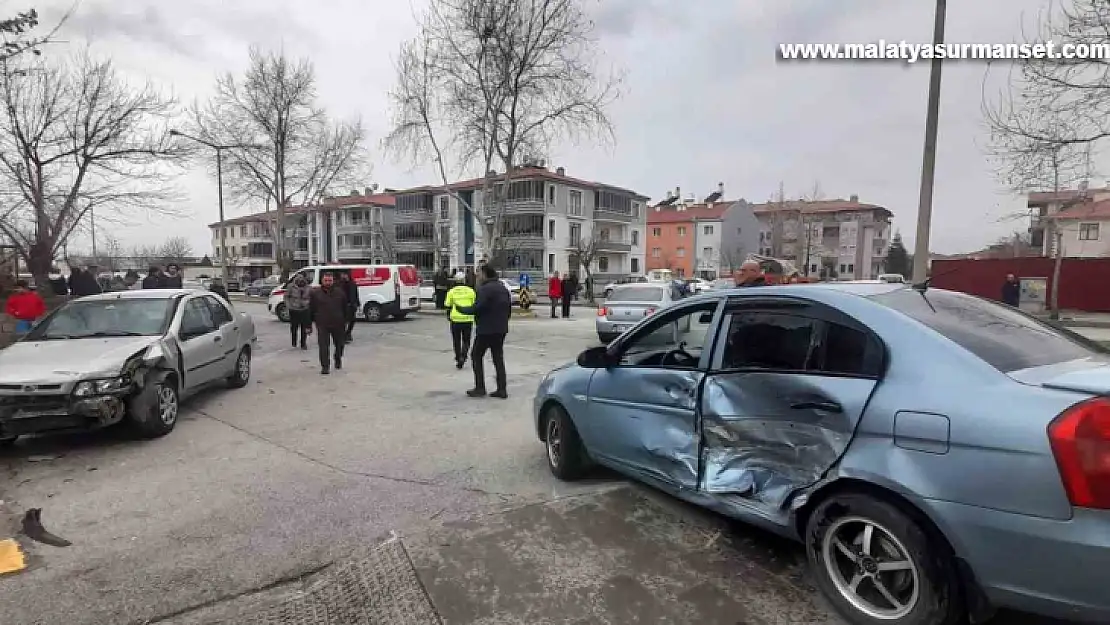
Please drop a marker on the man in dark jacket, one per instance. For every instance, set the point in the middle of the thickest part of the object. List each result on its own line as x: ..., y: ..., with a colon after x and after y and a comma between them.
x: 442, y: 284
x: 491, y: 311
x: 217, y: 287
x: 1011, y: 291
x: 153, y: 279
x: 172, y: 278
x: 328, y: 308
x: 83, y: 282
x: 750, y: 274
x: 350, y: 291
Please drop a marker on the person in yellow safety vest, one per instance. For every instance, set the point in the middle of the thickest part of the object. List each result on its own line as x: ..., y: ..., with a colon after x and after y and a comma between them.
x: 462, y: 294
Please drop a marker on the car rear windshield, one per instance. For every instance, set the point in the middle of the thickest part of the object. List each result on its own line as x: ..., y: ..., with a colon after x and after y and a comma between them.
x: 1004, y: 337
x: 636, y: 294
x: 106, y: 317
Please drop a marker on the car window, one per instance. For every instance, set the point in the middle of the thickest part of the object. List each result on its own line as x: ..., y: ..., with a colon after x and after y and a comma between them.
x: 197, y: 318
x: 1005, y: 338
x: 220, y: 313
x: 794, y: 342
x: 686, y: 328
x: 110, y: 317
x: 636, y: 294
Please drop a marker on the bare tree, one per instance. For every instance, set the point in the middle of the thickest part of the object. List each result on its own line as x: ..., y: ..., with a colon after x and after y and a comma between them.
x: 586, y: 249
x: 112, y: 251
x: 498, y: 81
x: 811, y: 245
x: 74, y: 138
x: 145, y: 256
x: 175, y: 250
x: 284, y: 149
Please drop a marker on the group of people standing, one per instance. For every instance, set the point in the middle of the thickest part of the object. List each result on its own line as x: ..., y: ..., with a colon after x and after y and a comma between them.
x: 331, y: 308
x: 562, y: 290
x: 481, y: 310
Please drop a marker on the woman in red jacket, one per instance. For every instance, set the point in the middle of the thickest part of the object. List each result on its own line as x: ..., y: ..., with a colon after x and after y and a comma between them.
x: 554, y: 291
x: 25, y: 306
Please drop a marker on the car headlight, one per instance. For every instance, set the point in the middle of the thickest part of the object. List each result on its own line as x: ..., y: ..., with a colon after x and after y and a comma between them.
x: 105, y: 386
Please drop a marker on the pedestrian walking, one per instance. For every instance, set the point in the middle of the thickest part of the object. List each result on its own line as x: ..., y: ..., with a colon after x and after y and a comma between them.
x: 1011, y: 291
x: 350, y: 292
x: 442, y: 284
x: 153, y: 279
x: 570, y: 285
x: 492, y: 308
x: 25, y: 306
x: 554, y: 291
x: 462, y: 325
x: 172, y: 278
x: 327, y: 307
x: 297, y: 297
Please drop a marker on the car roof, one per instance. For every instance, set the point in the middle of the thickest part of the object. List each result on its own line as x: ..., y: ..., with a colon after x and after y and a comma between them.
x: 137, y: 294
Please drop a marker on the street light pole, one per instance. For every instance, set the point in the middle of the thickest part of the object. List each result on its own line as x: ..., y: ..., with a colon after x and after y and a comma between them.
x: 929, y: 158
x: 223, y: 227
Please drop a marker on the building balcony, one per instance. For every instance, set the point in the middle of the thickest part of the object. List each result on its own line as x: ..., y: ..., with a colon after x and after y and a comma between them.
x: 300, y: 254
x: 364, y: 251
x: 614, y: 245
x: 423, y: 245
x: 258, y: 237
x: 604, y: 214
x: 361, y: 228
x: 516, y: 207
x: 521, y: 242
x: 416, y: 216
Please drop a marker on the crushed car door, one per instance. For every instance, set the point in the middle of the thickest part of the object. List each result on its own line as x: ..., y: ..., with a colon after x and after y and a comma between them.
x: 202, y: 350
x: 228, y: 328
x: 789, y: 383
x: 642, y: 412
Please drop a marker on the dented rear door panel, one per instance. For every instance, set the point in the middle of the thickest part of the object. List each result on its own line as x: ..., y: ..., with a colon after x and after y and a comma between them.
x: 769, y: 434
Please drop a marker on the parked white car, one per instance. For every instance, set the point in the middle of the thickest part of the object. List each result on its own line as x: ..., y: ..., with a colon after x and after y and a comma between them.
x: 428, y: 291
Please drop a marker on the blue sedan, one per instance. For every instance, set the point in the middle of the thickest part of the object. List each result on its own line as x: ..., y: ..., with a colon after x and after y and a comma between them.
x: 939, y: 455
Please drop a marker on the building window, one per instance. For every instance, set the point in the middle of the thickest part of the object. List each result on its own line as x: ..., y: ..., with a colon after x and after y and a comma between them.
x: 242, y: 231
x: 681, y: 252
x: 550, y: 263
x: 635, y: 237
x: 243, y: 250
x: 444, y: 236
x: 522, y: 225
x: 612, y: 202
x: 656, y: 232
x: 709, y: 230
x: 682, y: 231
x: 635, y: 209
x: 656, y: 252
x: 574, y: 203
x: 851, y: 268
x: 635, y: 265
x: 603, y: 264
x: 707, y: 254
x: 414, y: 232
x: 551, y: 229
x: 841, y: 268
x: 377, y: 215
x: 551, y: 194
x: 443, y: 204
x: 575, y: 234
x: 1088, y: 232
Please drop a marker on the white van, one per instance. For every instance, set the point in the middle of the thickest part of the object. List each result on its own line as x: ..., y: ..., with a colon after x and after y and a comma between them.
x: 660, y: 275
x: 384, y: 291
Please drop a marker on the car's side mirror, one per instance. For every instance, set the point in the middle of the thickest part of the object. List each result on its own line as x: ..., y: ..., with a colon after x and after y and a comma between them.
x: 705, y: 318
x: 595, y: 358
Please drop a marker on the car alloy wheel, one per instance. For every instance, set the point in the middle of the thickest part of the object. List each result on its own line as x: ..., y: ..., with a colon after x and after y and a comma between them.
x: 243, y: 366
x: 167, y: 404
x: 372, y: 312
x: 871, y: 568
x: 554, y: 443
x: 282, y: 313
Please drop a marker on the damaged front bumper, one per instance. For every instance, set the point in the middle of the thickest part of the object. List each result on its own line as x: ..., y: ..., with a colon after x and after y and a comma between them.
x: 46, y: 413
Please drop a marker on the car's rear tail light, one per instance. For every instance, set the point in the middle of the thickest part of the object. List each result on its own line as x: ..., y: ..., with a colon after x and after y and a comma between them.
x: 1080, y: 439
x: 277, y: 292
x: 603, y: 311
x: 649, y: 311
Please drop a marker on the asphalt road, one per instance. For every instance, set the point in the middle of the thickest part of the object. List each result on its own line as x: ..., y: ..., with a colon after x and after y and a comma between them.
x: 275, y: 480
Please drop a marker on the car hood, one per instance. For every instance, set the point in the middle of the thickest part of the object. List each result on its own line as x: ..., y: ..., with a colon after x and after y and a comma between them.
x: 63, y: 360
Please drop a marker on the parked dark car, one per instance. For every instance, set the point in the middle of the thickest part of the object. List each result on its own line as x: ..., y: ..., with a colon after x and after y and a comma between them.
x: 261, y: 287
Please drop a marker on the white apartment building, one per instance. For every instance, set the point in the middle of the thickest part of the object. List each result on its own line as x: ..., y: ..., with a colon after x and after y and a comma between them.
x: 839, y: 239
x: 354, y: 228
x: 547, y: 218
x: 1080, y: 216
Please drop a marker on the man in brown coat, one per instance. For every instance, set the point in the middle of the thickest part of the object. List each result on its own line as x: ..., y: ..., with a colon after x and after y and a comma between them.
x: 328, y: 307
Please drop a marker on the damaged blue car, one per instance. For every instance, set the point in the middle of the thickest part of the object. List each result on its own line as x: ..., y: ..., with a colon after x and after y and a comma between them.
x: 939, y: 455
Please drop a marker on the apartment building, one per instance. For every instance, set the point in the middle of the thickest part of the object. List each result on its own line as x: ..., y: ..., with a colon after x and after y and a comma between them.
x: 350, y: 229
x: 685, y: 236
x: 1080, y: 216
x: 548, y: 219
x: 832, y: 239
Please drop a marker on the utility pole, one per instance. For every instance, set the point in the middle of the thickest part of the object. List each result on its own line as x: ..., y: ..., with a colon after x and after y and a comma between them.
x: 929, y: 158
x: 92, y: 227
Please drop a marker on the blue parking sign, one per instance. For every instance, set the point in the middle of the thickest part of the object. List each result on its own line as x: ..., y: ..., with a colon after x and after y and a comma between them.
x: 525, y: 280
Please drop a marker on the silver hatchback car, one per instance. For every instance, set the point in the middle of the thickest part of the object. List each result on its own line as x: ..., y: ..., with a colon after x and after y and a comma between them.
x: 628, y: 304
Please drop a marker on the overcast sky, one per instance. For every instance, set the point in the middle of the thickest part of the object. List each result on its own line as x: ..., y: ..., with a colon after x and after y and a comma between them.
x: 705, y: 99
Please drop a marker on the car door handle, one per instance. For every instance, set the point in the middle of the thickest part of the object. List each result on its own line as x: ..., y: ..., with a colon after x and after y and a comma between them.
x: 819, y: 404
x: 218, y: 339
